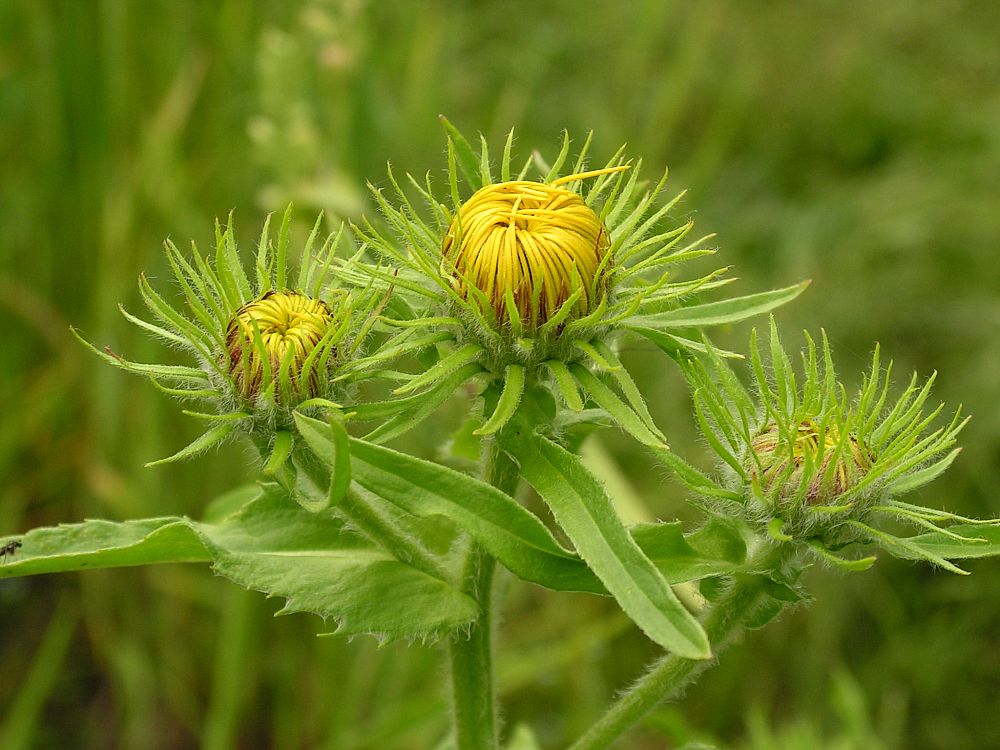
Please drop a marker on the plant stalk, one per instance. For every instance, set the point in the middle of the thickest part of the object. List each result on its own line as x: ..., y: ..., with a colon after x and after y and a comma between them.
x: 374, y: 523
x: 367, y: 517
x: 671, y: 674
x: 471, y: 657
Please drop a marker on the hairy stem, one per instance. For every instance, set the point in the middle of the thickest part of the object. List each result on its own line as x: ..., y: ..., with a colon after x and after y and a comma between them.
x: 378, y: 526
x: 473, y: 696
x: 671, y: 674
x: 366, y: 516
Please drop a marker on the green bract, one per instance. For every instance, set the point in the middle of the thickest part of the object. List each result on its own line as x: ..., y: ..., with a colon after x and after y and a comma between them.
x: 534, y: 277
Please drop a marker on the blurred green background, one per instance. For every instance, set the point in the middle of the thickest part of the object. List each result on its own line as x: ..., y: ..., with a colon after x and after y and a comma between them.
x: 857, y: 144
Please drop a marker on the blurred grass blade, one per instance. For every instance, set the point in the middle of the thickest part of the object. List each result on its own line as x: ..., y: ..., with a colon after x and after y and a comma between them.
x: 24, y: 716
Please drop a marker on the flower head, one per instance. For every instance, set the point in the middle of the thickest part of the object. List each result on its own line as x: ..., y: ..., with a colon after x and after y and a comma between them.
x: 531, y: 283
x: 806, y: 464
x: 263, y: 348
x: 280, y: 331
x: 779, y: 461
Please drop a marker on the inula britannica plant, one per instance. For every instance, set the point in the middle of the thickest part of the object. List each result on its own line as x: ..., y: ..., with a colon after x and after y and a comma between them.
x: 510, y: 289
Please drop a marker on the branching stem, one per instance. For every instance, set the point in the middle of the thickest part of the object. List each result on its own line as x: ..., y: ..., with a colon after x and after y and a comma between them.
x: 669, y: 675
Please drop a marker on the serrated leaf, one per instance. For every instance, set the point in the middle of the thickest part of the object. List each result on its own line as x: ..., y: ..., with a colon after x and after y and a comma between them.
x: 273, y: 546
x: 718, y: 313
x: 584, y: 511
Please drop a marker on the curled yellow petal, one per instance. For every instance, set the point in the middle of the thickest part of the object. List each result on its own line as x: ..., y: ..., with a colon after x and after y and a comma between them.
x: 281, y: 329
x: 539, y: 242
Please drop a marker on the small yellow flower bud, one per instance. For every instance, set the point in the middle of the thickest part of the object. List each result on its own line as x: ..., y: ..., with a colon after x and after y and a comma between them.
x: 775, y: 455
x: 539, y: 242
x: 287, y: 327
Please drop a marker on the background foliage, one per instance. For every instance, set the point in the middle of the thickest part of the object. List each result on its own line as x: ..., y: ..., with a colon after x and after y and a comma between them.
x: 855, y: 144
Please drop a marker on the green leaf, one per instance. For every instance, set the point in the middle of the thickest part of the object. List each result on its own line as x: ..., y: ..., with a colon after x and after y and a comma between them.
x: 981, y: 540
x: 335, y: 453
x: 419, y: 409
x: 677, y: 346
x: 693, y: 478
x: 281, y: 449
x: 717, y: 549
x: 619, y: 411
x: 584, y: 511
x: 911, y: 548
x: 776, y: 595
x: 845, y: 563
x: 511, y: 533
x: 718, y: 313
x: 443, y: 368
x: 273, y: 546
x: 518, y: 539
x: 200, y: 444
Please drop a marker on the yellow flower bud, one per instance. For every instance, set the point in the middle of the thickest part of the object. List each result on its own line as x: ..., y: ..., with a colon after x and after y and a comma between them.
x: 539, y: 242
x: 273, y: 334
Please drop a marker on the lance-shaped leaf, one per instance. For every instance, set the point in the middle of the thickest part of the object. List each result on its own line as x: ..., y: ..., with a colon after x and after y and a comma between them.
x: 269, y: 545
x: 718, y: 548
x: 584, y: 511
x: 510, y: 532
x: 962, y: 541
x: 507, y: 530
x: 718, y: 313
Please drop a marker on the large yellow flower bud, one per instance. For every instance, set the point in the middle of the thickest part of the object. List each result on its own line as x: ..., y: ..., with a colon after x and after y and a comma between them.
x: 539, y: 242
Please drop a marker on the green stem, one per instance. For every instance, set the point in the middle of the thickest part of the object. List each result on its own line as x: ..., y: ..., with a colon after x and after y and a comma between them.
x: 366, y: 516
x: 671, y: 674
x: 473, y: 694
x: 378, y: 526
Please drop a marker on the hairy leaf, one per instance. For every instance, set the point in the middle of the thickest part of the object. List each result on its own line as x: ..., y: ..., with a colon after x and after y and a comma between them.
x: 586, y: 514
x: 269, y: 545
x: 718, y: 313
